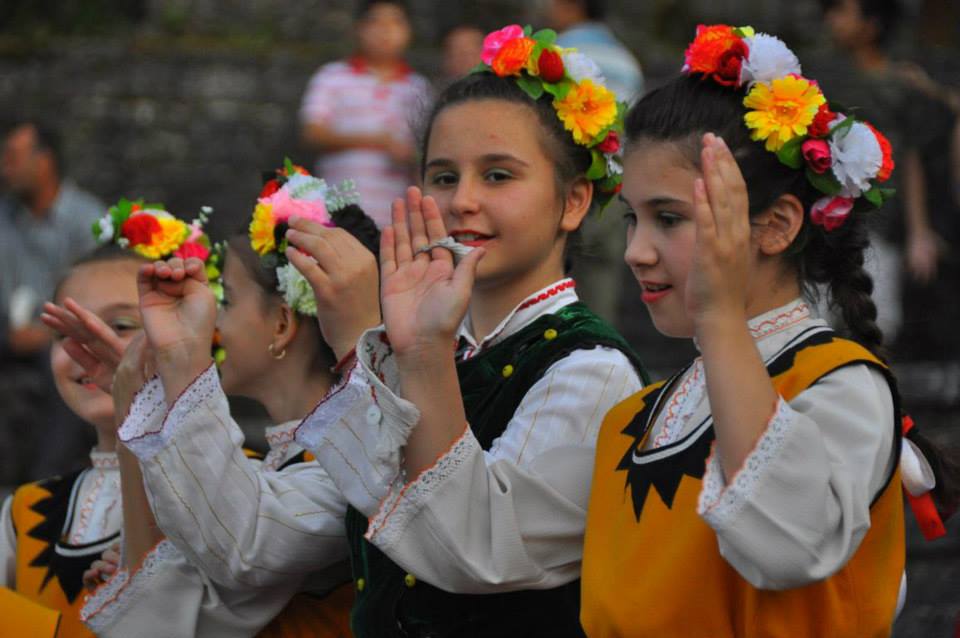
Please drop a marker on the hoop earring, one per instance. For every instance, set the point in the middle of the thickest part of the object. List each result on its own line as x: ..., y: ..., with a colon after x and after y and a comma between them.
x: 273, y: 354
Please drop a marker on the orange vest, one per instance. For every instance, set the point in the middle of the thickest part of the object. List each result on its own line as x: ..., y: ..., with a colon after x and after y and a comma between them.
x: 48, y: 570
x: 652, y: 567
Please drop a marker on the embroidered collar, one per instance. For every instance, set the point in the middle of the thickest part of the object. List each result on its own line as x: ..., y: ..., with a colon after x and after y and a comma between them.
x: 277, y: 435
x: 283, y: 447
x: 361, y: 66
x: 104, y: 460
x: 779, y: 319
x: 544, y: 301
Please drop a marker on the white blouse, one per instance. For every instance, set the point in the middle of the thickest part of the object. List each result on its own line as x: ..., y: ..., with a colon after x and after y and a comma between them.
x: 242, y: 537
x: 476, y: 521
x: 96, y: 515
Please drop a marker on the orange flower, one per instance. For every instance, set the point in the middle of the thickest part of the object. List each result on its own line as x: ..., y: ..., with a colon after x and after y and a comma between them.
x: 511, y: 58
x: 886, y: 168
x: 716, y: 51
x: 587, y: 110
x: 781, y: 110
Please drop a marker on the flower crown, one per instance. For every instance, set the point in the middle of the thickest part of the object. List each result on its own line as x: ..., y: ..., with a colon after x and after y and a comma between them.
x: 843, y: 157
x: 292, y: 191
x: 587, y: 108
x: 151, y: 232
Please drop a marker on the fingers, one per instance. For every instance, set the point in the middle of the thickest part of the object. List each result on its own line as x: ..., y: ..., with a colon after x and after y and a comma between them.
x: 388, y: 262
x: 418, y: 231
x: 196, y: 270
x: 466, y: 271
x: 309, y: 268
x: 702, y: 213
x: 715, y: 187
x: 403, y: 251
x: 433, y: 220
x: 103, y: 341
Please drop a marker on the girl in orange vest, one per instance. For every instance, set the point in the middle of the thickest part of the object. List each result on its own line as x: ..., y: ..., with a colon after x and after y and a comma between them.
x: 757, y: 492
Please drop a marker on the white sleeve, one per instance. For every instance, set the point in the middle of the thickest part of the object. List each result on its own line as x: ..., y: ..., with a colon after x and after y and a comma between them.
x: 167, y: 591
x: 241, y: 526
x: 800, y: 505
x: 476, y: 521
x: 8, y: 545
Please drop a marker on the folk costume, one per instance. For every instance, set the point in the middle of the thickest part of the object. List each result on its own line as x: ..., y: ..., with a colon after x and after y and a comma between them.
x: 805, y: 540
x: 487, y: 542
x: 167, y: 589
x: 242, y: 538
x: 50, y: 532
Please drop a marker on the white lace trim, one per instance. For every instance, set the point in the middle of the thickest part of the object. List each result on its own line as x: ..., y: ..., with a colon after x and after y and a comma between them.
x: 147, y: 444
x: 779, y: 319
x: 149, y: 404
x: 124, y: 589
x: 104, y: 460
x: 311, y: 432
x: 283, y: 446
x: 403, y: 503
x: 720, y: 504
x: 682, y: 405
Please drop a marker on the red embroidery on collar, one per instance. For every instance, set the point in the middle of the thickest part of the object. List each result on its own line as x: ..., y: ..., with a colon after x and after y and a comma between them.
x: 360, y: 65
x: 546, y: 294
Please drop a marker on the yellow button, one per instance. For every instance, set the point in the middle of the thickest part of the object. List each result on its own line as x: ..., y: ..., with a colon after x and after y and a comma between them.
x: 361, y: 583
x: 550, y: 334
x: 507, y: 370
x: 409, y: 580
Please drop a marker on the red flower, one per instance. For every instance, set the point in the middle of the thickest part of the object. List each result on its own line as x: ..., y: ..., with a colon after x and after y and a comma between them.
x: 886, y: 168
x: 269, y: 188
x: 610, y: 144
x: 817, y: 154
x: 831, y: 212
x: 551, y: 66
x: 140, y: 229
x: 821, y: 122
x: 192, y: 249
x: 511, y: 58
x: 718, y: 52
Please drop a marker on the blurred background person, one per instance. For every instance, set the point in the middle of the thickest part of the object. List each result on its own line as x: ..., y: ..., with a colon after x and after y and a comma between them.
x: 357, y: 113
x: 599, y: 268
x: 462, y: 46
x: 46, y: 221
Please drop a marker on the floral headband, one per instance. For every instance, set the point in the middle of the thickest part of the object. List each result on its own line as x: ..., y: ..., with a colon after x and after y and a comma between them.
x: 843, y: 157
x: 294, y: 192
x: 587, y: 108
x: 151, y: 232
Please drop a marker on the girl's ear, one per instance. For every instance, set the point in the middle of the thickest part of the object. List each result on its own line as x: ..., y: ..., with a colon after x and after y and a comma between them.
x: 576, y: 204
x: 285, y: 328
x: 775, y: 228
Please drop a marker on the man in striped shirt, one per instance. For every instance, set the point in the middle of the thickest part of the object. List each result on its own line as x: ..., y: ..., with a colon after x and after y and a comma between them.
x: 358, y: 113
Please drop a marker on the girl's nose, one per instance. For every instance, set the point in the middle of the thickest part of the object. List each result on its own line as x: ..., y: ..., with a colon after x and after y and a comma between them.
x: 641, y: 252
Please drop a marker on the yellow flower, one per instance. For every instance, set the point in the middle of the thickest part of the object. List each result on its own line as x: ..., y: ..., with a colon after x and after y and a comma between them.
x: 261, y: 229
x: 173, y: 233
x: 782, y: 109
x: 586, y: 110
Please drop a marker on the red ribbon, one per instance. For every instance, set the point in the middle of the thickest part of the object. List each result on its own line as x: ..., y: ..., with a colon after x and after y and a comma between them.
x: 924, y: 509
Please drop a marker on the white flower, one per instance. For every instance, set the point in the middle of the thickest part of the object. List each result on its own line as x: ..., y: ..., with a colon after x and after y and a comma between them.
x: 580, y: 67
x: 769, y: 59
x: 106, y: 229
x: 857, y: 157
x: 296, y: 290
x: 613, y: 164
x: 306, y: 187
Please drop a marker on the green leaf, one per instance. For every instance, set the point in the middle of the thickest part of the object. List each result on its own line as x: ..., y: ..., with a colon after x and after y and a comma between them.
x: 288, y: 167
x: 874, y: 197
x: 842, y: 127
x: 824, y: 182
x: 545, y: 37
x: 527, y: 30
x: 480, y: 68
x: 95, y: 229
x: 791, y: 153
x: 531, y: 86
x: 558, y: 90
x: 598, y: 167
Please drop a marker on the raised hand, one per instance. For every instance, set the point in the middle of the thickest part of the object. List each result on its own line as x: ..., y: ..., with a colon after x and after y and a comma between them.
x: 103, y: 568
x: 87, y: 339
x: 135, y: 368
x: 717, y: 284
x: 424, y: 296
x: 344, y: 278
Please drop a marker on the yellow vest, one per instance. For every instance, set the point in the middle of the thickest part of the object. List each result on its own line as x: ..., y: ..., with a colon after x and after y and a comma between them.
x: 656, y: 570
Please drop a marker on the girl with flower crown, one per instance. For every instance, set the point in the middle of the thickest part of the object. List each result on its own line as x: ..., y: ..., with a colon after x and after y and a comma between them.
x: 235, y: 539
x: 51, y: 530
x: 758, y: 491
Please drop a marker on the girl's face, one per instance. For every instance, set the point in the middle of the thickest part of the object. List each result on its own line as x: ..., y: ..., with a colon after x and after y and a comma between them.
x: 109, y: 290
x: 661, y: 232
x: 246, y: 331
x: 496, y: 188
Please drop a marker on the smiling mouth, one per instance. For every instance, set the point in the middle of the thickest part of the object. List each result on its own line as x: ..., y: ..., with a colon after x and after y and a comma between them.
x: 470, y: 237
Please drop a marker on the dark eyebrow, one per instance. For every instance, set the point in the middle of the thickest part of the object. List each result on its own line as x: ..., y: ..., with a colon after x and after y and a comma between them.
x: 654, y: 202
x: 119, y: 306
x: 489, y: 158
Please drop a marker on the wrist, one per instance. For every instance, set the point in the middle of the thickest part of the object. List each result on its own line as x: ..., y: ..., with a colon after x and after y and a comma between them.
x: 179, y: 366
x: 426, y: 357
x: 720, y: 328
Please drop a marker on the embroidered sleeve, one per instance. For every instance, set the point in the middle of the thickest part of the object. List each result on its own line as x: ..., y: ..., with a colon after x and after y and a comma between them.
x: 358, y: 430
x: 149, y: 428
x: 799, y: 507
x: 513, y: 517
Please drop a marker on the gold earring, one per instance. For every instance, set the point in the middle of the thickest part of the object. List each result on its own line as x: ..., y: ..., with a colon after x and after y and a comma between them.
x: 273, y: 354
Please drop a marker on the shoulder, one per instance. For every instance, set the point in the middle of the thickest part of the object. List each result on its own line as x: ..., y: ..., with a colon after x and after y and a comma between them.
x: 82, y: 206
x: 332, y: 71
x: 596, y: 371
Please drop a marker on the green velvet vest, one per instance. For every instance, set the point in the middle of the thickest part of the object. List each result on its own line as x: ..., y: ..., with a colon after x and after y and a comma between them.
x: 493, y: 383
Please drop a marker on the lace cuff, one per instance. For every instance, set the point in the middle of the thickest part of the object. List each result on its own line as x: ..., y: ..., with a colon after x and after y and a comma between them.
x: 139, y: 431
x: 404, y: 501
x: 112, y: 599
x: 720, y: 503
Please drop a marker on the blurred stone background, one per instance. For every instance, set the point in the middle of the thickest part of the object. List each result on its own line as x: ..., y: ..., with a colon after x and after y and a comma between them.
x: 187, y: 101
